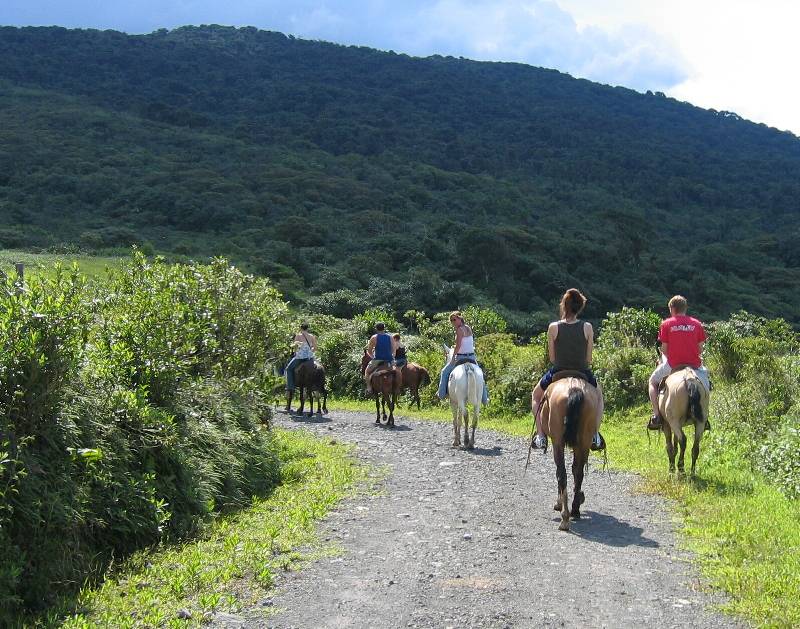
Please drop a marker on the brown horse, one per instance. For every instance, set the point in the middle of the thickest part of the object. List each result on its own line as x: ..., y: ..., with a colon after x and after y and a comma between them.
x: 568, y: 414
x: 386, y: 384
x: 309, y: 378
x: 683, y: 400
x: 415, y: 376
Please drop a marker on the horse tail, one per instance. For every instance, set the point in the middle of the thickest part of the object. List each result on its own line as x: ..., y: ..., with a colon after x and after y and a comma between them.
x: 472, y: 386
x: 425, y: 380
x: 695, y: 408
x: 573, y: 417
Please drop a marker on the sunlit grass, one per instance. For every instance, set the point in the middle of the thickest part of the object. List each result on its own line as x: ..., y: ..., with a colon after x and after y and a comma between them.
x: 44, y: 263
x: 237, y: 561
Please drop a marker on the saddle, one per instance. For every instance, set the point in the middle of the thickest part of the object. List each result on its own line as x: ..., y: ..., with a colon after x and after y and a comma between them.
x: 464, y: 361
x: 569, y: 373
x: 663, y: 384
x: 382, y: 369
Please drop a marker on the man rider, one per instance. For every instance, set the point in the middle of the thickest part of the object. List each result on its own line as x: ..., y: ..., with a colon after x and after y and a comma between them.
x: 381, y: 348
x: 682, y: 338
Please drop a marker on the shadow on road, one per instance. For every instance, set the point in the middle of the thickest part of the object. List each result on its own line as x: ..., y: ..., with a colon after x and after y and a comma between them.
x: 305, y: 419
x: 606, y: 529
x: 396, y: 428
x: 496, y: 451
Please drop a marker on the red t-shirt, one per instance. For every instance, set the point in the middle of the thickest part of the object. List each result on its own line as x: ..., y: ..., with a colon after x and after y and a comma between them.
x: 682, y: 335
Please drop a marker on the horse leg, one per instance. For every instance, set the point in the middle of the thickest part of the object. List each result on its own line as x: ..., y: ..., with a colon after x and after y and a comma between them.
x: 475, y: 413
x: 561, y: 477
x: 289, y: 396
x: 325, y: 401
x: 670, y: 445
x: 311, y: 394
x: 682, y: 443
x: 465, y: 419
x: 578, y: 466
x: 377, y: 408
x: 456, y: 424
x: 383, y: 406
x: 392, y: 403
x: 699, y: 428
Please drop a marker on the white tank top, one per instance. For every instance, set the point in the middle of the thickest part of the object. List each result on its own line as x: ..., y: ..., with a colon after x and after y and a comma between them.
x: 467, y: 345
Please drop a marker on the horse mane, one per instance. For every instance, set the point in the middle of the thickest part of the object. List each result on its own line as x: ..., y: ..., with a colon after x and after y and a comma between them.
x: 572, y: 419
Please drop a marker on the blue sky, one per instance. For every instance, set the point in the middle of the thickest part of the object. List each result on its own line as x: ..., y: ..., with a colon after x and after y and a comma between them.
x: 724, y: 54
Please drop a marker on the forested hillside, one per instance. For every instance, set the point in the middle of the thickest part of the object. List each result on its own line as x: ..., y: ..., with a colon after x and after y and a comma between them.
x: 354, y: 177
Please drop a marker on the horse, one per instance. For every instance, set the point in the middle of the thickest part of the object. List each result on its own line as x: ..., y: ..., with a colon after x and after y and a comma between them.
x: 568, y: 413
x: 681, y: 400
x: 414, y: 376
x: 386, y: 384
x: 309, y: 378
x: 464, y: 387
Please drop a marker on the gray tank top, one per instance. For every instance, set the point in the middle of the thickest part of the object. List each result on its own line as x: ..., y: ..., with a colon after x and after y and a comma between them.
x: 571, y: 346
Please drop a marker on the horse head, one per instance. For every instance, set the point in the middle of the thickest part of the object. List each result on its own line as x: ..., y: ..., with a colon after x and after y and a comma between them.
x: 448, y: 352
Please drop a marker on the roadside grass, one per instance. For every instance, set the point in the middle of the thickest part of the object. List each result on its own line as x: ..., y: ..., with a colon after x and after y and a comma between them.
x: 238, y: 560
x: 44, y: 263
x: 745, y: 533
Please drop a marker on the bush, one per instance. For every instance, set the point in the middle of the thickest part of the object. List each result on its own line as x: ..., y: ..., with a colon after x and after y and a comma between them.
x: 779, y: 457
x: 128, y: 415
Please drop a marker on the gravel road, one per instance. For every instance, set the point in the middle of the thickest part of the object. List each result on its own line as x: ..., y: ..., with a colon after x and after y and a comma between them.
x: 466, y: 539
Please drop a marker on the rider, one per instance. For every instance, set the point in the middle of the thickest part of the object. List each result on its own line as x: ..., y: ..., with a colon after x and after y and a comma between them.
x: 381, y: 348
x: 463, y: 351
x: 682, y: 338
x: 569, y: 342
x: 305, y: 344
x: 400, y: 358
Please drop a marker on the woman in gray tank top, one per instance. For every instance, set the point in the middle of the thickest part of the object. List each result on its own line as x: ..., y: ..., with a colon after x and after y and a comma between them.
x: 569, y: 342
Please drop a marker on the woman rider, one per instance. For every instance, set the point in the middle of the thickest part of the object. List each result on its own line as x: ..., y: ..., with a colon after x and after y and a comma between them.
x: 569, y: 342
x: 463, y: 351
x: 400, y: 357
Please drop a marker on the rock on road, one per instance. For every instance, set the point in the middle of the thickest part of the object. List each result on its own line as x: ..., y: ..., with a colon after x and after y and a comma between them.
x: 466, y: 539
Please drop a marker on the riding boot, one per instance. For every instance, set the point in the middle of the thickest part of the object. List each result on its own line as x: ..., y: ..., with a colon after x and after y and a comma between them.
x: 655, y: 422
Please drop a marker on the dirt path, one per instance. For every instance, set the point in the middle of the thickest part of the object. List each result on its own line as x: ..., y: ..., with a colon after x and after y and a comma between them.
x: 464, y: 539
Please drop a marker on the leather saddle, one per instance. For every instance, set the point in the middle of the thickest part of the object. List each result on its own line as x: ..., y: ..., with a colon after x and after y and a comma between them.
x: 569, y: 373
x: 464, y: 361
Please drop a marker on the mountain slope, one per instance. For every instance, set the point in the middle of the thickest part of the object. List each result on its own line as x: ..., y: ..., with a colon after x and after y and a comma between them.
x: 328, y: 166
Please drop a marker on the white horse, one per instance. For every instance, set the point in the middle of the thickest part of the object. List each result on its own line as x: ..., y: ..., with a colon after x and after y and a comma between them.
x: 465, y: 386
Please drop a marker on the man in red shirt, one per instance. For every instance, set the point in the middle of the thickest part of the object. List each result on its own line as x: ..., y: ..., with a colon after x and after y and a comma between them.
x: 682, y: 339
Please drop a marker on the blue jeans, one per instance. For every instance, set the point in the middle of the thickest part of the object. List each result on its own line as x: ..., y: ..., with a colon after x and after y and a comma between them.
x: 445, y: 376
x: 289, y: 371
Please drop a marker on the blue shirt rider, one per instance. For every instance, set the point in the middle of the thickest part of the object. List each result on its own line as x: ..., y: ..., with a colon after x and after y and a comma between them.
x: 381, y: 348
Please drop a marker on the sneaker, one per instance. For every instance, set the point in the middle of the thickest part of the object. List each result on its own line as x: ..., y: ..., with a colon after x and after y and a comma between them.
x: 598, y: 443
x: 655, y: 422
x: 539, y: 442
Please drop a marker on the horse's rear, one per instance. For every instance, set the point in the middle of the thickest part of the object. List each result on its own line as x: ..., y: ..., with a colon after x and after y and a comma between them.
x: 568, y: 418
x: 386, y: 383
x: 683, y: 400
x: 310, y: 380
x: 415, y: 376
x: 465, y: 388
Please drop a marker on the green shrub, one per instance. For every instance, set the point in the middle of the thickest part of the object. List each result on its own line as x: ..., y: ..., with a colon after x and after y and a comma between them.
x: 129, y: 413
x: 779, y: 457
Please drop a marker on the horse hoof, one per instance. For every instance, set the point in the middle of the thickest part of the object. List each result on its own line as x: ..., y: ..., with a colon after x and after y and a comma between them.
x: 575, y: 514
x: 471, y: 446
x: 456, y: 444
x: 378, y: 421
x: 564, y: 526
x: 557, y: 506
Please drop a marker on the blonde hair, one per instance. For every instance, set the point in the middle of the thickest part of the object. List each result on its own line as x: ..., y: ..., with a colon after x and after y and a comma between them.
x: 573, y: 302
x: 678, y: 303
x: 456, y: 313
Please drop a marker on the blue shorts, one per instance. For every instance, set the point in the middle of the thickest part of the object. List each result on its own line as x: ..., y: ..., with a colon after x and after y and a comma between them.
x: 547, y: 378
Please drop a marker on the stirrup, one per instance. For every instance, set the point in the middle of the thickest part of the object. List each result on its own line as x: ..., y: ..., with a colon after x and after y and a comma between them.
x: 655, y: 422
x: 539, y: 442
x: 599, y: 443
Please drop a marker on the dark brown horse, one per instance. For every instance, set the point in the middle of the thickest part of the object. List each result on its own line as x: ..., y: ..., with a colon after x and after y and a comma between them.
x: 568, y: 414
x: 414, y: 377
x: 386, y: 385
x: 309, y: 379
